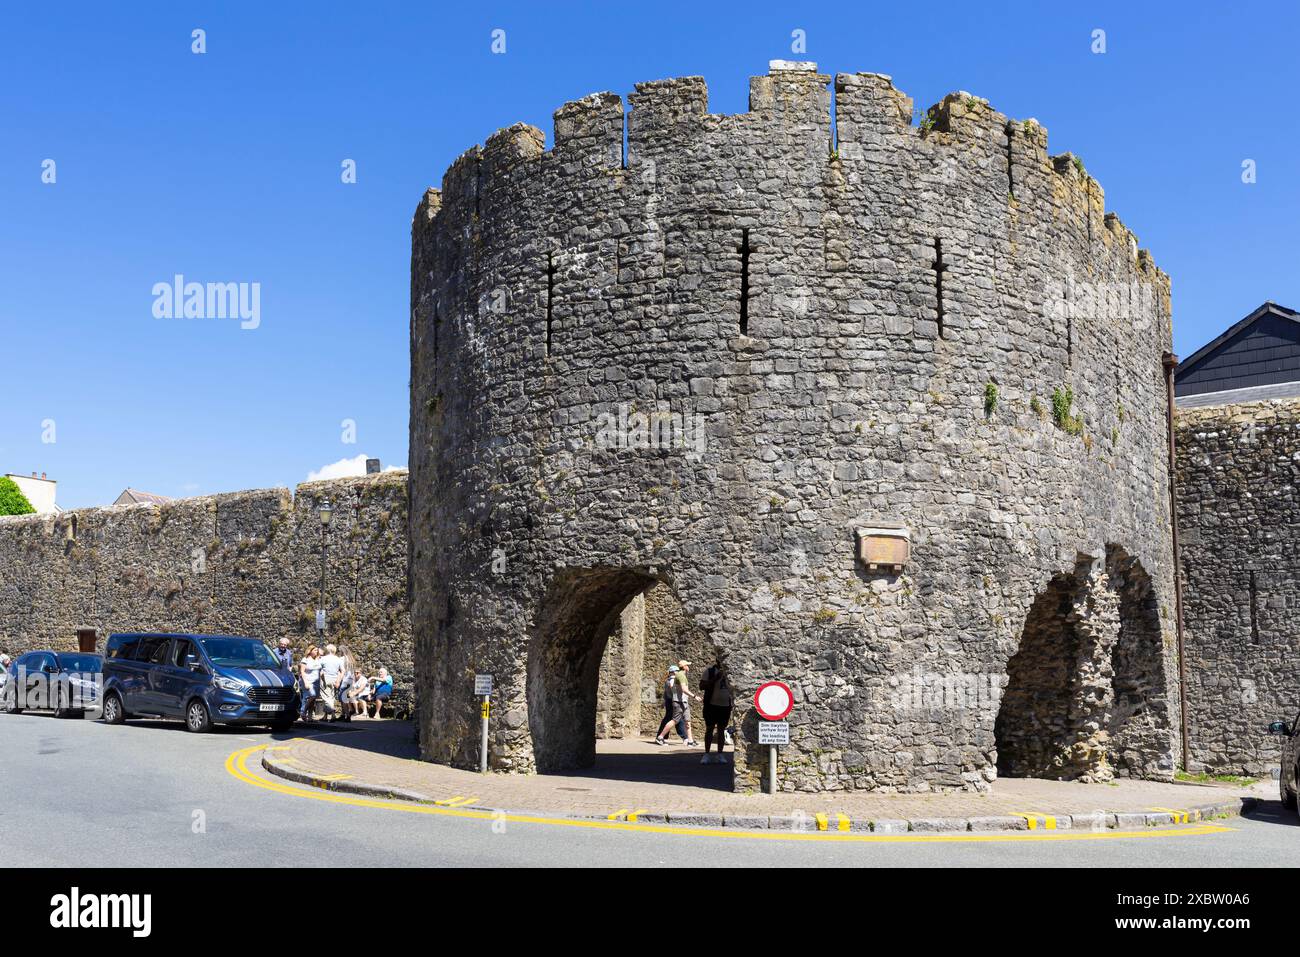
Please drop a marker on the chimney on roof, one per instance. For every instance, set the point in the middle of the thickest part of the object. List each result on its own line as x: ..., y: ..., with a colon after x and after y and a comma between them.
x: 372, y: 466
x: 33, y: 475
x: 42, y: 475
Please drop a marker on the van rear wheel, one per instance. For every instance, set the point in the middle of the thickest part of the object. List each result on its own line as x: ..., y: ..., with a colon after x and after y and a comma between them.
x: 197, y: 718
x: 114, y: 713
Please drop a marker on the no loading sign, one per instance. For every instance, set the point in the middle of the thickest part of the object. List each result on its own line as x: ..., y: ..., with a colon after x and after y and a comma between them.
x: 774, y: 700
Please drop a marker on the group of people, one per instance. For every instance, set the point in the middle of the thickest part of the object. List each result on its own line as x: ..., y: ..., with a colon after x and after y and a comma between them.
x: 330, y: 679
x: 716, y: 697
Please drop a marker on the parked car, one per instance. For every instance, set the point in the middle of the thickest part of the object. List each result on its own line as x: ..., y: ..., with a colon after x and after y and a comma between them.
x: 1289, y: 779
x: 202, y: 679
x: 65, y: 682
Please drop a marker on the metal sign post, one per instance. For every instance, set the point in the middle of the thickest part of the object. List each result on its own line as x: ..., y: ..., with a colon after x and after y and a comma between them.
x: 483, y: 689
x: 773, y: 701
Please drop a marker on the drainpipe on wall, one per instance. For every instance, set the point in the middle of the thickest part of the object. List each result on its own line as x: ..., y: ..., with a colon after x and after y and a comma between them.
x: 1170, y: 363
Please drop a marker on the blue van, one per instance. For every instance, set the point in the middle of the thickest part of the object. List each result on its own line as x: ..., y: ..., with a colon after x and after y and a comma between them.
x: 204, y: 679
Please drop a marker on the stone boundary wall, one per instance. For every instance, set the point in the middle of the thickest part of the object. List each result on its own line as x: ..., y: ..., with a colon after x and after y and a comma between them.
x: 241, y: 563
x: 1239, y: 520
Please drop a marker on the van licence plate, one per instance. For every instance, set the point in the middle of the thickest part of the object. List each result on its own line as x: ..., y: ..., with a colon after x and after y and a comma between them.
x: 270, y: 707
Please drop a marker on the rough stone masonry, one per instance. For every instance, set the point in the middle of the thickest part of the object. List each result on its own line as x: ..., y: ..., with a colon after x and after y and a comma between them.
x: 242, y: 563
x: 708, y: 361
x: 1239, y: 518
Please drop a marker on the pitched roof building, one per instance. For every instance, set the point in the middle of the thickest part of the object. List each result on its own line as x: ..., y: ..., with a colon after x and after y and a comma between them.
x: 1256, y: 358
x: 133, y: 496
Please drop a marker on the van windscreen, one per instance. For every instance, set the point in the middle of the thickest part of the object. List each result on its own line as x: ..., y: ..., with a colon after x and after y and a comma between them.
x: 239, y: 653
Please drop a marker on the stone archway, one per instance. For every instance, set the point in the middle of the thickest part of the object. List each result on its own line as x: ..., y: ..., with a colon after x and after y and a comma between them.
x: 1139, y: 727
x: 581, y: 610
x: 1085, y: 696
x: 1032, y: 729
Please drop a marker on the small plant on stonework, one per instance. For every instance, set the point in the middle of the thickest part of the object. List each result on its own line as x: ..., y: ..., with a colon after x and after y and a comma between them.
x: 931, y: 116
x: 835, y: 155
x: 1114, y: 436
x: 1036, y: 407
x: 1078, y: 164
x: 990, y: 399
x: 822, y: 615
x: 1062, y: 414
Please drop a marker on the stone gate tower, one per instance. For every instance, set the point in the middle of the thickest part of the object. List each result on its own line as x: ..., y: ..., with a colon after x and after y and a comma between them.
x: 881, y: 403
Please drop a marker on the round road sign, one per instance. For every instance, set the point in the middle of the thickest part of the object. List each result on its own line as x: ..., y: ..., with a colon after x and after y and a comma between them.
x: 774, y: 700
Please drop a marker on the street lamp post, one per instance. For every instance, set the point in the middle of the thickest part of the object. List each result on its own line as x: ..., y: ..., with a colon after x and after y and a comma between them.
x: 326, y: 513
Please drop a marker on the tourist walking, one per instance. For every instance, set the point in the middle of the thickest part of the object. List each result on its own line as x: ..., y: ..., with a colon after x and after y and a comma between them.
x: 669, y: 719
x: 284, y: 654
x: 347, y: 678
x: 682, y: 698
x: 309, y: 675
x: 715, y: 692
x: 331, y: 676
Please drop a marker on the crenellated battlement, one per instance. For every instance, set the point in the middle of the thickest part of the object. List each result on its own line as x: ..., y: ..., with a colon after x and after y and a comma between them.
x: 867, y: 126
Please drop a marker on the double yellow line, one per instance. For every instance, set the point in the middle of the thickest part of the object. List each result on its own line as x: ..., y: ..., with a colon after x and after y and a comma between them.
x: 237, y: 767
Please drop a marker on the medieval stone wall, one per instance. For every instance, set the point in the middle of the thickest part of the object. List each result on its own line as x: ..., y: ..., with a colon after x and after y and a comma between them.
x: 1239, y: 517
x: 246, y: 563
x: 707, y: 362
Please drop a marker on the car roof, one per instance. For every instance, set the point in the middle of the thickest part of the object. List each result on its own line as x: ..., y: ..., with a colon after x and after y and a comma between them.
x: 174, y: 634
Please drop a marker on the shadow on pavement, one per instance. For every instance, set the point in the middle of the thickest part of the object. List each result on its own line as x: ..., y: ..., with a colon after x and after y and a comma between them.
x: 1272, y: 812
x: 627, y: 759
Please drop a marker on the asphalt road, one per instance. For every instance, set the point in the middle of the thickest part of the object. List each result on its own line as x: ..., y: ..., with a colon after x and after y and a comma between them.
x: 77, y: 793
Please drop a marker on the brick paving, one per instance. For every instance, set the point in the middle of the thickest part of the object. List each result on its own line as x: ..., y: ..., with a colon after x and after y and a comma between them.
x: 634, y: 774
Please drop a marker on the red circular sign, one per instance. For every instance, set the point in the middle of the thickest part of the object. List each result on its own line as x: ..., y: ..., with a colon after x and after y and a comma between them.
x: 774, y: 700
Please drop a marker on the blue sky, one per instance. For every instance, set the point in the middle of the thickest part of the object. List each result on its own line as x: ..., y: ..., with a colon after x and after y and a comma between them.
x: 225, y: 166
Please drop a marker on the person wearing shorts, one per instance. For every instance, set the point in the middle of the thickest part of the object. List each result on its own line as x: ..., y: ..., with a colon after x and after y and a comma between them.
x: 383, y: 690
x: 671, y: 717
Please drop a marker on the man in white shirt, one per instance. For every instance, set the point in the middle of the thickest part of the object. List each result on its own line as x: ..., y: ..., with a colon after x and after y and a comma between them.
x: 331, y: 669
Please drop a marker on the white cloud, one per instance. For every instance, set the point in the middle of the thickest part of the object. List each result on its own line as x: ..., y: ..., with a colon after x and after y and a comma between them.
x: 344, y: 468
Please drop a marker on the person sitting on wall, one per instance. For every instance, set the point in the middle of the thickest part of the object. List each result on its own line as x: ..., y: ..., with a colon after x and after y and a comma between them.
x: 383, y: 690
x: 359, y: 699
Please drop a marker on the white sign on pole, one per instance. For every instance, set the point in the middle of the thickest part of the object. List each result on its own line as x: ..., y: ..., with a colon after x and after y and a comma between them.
x: 482, y: 684
x: 774, y: 732
x: 320, y: 619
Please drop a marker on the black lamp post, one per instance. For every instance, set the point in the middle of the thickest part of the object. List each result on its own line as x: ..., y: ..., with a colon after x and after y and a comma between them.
x: 326, y: 513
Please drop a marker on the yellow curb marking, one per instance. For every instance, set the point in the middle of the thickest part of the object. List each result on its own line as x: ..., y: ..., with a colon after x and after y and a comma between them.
x: 844, y: 822
x: 1049, y: 822
x: 626, y: 814
x: 821, y: 821
x: 456, y: 801
x: 1180, y: 817
x: 332, y: 777
x: 237, y: 767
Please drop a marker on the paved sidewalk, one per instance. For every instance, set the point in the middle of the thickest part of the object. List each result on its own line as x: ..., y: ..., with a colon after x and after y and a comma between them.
x: 669, y: 785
